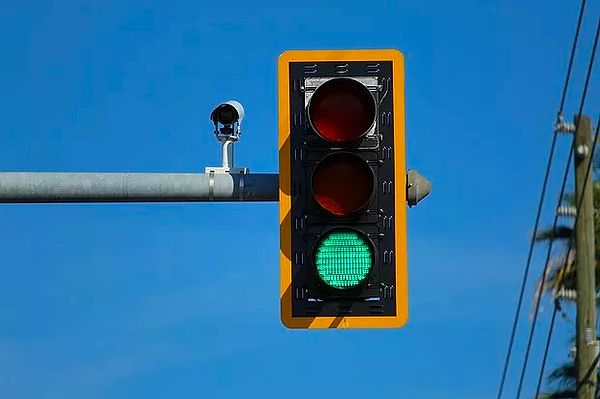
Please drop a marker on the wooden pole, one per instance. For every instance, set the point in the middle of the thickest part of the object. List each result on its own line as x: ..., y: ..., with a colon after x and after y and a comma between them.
x: 585, y: 262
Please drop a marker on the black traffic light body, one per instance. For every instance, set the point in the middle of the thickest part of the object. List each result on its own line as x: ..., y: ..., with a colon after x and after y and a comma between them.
x: 342, y: 189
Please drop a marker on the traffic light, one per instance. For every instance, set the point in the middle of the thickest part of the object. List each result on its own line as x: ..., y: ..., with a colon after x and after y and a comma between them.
x: 342, y: 189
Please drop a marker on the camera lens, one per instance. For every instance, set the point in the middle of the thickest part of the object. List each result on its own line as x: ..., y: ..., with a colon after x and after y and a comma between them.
x: 226, y: 114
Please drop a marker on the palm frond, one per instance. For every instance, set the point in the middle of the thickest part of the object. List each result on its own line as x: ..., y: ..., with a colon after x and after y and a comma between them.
x: 565, y: 376
x: 559, y: 233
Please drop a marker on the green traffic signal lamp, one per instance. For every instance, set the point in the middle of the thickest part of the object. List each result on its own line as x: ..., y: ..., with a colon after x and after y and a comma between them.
x: 343, y: 258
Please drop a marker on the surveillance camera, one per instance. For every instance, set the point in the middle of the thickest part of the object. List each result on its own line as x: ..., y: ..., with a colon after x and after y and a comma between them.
x: 227, y: 113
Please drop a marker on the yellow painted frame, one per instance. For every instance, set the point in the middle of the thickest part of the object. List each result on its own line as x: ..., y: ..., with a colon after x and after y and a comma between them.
x: 285, y: 182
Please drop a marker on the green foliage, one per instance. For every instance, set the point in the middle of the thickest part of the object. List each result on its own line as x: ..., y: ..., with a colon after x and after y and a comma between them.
x: 562, y: 276
x: 565, y: 380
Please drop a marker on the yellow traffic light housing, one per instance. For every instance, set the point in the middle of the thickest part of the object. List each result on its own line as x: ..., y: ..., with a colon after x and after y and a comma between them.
x: 342, y: 189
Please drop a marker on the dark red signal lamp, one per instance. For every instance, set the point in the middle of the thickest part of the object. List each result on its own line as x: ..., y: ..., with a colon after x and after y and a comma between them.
x: 343, y: 184
x: 342, y: 110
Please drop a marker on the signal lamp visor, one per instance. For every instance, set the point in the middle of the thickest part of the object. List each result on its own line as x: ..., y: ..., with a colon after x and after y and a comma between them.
x: 342, y: 110
x: 343, y: 184
x: 343, y: 259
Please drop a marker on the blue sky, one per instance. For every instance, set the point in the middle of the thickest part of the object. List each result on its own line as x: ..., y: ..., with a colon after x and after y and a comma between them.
x: 138, y: 300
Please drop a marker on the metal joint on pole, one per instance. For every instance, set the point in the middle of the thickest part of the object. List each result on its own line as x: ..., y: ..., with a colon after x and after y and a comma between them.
x: 563, y: 127
x: 566, y: 210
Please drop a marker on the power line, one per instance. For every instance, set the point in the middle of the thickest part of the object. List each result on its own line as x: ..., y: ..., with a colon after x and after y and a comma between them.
x: 577, y: 212
x: 527, y: 266
x: 547, y: 348
x: 540, y: 205
x: 589, y: 371
x: 589, y: 70
x: 546, y: 263
x: 571, y: 58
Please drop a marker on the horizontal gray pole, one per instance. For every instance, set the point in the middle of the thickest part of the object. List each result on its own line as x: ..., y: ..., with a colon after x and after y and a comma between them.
x: 42, y: 187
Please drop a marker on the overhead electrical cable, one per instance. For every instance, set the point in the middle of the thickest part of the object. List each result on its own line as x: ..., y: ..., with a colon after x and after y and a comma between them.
x: 540, y: 205
x: 577, y: 212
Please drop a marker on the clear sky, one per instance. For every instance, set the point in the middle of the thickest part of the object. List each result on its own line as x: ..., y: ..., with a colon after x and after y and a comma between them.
x: 182, y: 300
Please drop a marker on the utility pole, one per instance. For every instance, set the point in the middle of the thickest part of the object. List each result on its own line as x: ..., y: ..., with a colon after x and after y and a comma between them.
x: 585, y: 261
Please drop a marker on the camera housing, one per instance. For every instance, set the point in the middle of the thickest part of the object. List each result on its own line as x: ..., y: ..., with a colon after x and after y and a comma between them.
x: 227, y: 113
x: 227, y: 119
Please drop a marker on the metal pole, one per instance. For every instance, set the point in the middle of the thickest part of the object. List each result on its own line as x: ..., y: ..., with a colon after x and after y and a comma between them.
x: 24, y: 187
x: 585, y: 262
x: 228, y: 154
